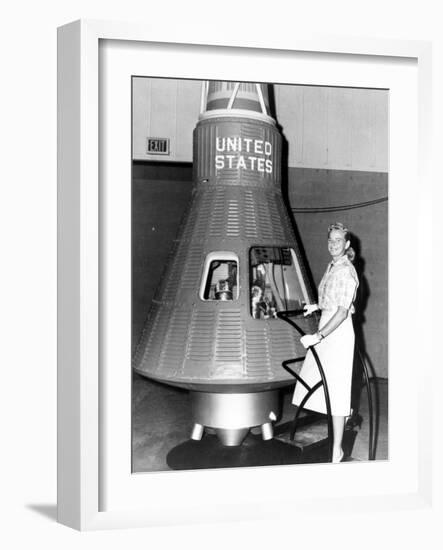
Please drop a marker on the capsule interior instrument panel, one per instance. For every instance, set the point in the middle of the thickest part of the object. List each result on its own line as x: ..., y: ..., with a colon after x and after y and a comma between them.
x: 212, y: 327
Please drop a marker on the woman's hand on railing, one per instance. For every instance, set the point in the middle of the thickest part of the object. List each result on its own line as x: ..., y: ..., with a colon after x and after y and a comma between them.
x: 309, y: 309
x: 309, y: 340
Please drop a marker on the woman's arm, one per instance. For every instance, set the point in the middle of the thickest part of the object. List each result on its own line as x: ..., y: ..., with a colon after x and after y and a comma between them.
x: 335, y: 321
x: 343, y: 293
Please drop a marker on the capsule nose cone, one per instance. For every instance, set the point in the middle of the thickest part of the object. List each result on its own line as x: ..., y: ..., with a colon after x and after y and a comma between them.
x: 237, y: 95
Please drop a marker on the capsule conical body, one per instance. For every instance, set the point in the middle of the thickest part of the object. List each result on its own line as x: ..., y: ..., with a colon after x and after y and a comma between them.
x: 212, y: 326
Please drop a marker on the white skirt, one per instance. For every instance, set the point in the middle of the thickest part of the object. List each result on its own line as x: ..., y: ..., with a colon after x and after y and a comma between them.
x: 336, y: 353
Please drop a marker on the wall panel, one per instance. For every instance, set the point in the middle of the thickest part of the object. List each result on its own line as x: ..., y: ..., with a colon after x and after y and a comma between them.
x: 315, y: 127
x: 363, y: 130
x: 325, y: 128
x: 162, y: 114
x: 339, y: 128
x: 382, y: 134
x: 166, y: 108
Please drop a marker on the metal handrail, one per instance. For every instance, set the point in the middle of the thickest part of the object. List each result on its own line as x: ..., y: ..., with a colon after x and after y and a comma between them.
x: 284, y: 315
x: 372, y: 434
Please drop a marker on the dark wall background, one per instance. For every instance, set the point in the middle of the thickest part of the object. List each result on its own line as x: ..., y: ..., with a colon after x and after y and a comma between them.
x: 317, y: 198
x: 333, y: 189
x: 160, y: 194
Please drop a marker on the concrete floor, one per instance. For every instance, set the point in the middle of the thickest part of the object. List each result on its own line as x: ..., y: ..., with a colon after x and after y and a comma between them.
x: 162, y: 425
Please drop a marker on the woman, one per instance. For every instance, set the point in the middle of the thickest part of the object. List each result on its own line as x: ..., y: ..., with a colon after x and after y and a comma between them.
x: 334, y: 340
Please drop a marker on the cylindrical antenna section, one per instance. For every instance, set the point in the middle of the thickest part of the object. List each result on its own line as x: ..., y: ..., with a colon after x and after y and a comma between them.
x: 222, y: 98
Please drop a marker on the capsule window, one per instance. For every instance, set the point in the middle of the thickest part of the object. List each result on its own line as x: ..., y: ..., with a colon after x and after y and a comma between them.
x: 220, y: 277
x: 276, y: 282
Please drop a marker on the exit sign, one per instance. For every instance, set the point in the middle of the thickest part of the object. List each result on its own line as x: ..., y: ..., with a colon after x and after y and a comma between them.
x: 157, y: 146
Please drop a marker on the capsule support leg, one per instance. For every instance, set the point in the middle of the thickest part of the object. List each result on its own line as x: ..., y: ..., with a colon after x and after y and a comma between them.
x: 197, y: 432
x: 267, y: 431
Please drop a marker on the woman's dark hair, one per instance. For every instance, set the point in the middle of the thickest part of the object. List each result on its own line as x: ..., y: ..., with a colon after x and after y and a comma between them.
x: 338, y: 226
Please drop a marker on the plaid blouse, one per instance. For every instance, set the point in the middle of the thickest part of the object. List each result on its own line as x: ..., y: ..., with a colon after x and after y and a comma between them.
x: 338, y: 286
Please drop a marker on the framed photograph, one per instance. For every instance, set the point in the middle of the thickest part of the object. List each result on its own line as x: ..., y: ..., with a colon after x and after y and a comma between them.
x: 206, y: 333
x: 170, y: 348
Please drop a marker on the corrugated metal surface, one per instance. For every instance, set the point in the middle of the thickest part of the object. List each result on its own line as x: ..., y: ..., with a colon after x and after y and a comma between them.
x: 282, y: 345
x: 205, y: 166
x: 216, y: 212
x: 193, y: 342
x: 229, y: 341
x: 233, y: 221
x: 174, y: 343
x: 192, y: 268
x: 249, y: 215
x: 258, y: 357
x: 153, y: 337
x: 201, y: 336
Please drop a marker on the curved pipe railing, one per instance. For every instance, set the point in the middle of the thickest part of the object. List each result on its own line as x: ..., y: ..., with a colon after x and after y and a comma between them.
x: 373, y: 434
x: 285, y: 316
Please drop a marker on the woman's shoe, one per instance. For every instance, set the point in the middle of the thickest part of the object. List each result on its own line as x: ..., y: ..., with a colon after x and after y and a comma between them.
x: 353, y: 421
x: 337, y: 459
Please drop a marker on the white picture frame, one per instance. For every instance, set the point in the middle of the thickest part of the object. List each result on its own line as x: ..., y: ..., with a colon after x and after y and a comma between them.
x: 95, y: 487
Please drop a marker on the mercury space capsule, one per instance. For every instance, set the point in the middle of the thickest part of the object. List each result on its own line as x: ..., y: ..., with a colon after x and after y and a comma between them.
x: 213, y: 327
